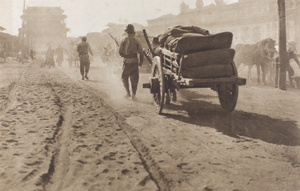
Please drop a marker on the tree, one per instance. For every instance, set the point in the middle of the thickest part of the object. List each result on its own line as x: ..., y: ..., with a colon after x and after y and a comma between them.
x: 184, y: 8
x: 199, y: 4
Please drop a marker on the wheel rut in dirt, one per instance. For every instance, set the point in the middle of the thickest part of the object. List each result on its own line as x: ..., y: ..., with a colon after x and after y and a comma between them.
x: 155, y: 172
x: 54, y: 143
x: 157, y: 175
x: 29, y: 125
x: 9, y: 93
x: 89, y: 142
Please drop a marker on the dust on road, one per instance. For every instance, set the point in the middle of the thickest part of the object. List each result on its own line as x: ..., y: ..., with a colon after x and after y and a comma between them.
x: 57, y: 135
x: 61, y: 133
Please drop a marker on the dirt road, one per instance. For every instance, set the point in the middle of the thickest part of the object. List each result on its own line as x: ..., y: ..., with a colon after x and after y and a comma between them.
x: 62, y: 133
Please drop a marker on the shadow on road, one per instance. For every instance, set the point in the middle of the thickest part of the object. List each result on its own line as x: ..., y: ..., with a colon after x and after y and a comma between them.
x: 237, y: 123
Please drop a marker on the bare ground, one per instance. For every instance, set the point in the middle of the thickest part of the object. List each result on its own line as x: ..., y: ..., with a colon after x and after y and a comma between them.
x: 61, y: 133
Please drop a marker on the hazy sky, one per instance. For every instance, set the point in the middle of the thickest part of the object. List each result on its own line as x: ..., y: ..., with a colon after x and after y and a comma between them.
x: 85, y: 16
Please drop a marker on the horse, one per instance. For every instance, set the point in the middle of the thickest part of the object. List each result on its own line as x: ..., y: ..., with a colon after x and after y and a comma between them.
x: 260, y: 55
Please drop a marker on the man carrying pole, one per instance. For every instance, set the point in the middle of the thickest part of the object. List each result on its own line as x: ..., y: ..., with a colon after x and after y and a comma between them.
x: 131, y: 51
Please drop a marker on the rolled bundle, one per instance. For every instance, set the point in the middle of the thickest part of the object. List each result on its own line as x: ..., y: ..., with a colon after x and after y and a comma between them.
x: 210, y: 57
x: 193, y: 42
x: 208, y: 71
x: 177, y: 31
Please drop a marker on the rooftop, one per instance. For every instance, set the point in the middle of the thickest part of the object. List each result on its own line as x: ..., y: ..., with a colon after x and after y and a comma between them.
x: 43, y: 11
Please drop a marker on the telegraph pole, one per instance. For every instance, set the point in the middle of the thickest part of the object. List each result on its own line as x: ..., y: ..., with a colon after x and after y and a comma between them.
x: 283, y: 57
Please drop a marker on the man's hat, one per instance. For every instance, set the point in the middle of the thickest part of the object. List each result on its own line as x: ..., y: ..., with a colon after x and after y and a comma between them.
x: 84, y: 38
x: 129, y: 29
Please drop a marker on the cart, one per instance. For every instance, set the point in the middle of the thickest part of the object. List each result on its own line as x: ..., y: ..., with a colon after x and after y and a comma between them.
x: 166, y: 78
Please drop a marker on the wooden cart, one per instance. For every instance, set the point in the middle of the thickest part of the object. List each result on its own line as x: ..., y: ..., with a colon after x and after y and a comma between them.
x: 166, y: 78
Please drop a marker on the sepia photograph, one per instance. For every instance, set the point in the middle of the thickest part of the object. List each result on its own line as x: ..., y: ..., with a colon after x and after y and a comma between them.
x: 149, y: 95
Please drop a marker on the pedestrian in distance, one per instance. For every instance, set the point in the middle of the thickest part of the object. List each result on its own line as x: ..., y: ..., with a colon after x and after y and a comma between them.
x: 292, y: 51
x: 83, y: 50
x: 132, y: 53
x: 60, y: 56
x: 31, y: 52
x: 50, y: 57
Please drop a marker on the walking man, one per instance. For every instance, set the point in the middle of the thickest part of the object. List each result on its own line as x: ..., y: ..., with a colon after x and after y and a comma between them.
x: 31, y: 52
x: 83, y: 50
x: 132, y: 53
x: 292, y: 55
x: 50, y: 57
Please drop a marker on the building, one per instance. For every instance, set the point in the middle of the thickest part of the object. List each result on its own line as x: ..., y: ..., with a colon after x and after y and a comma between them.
x: 43, y: 27
x: 8, y: 44
x: 249, y: 20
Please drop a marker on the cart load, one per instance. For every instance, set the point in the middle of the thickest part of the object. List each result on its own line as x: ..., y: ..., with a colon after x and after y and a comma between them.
x: 204, y: 55
x: 186, y: 40
x: 190, y: 57
x: 208, y: 64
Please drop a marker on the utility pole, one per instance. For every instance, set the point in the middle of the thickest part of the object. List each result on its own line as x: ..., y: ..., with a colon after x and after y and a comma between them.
x: 283, y: 57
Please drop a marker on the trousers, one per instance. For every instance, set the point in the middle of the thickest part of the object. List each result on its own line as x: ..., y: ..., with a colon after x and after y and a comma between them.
x: 84, y: 64
x: 130, y: 71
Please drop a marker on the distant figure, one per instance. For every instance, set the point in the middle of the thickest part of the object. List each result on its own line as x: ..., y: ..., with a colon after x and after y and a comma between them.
x: 292, y: 51
x: 73, y: 56
x: 292, y: 55
x: 130, y: 49
x: 83, y: 50
x: 60, y: 56
x: 50, y: 58
x: 31, y: 52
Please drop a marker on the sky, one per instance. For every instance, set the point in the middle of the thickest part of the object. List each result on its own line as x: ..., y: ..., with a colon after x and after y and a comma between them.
x: 84, y: 16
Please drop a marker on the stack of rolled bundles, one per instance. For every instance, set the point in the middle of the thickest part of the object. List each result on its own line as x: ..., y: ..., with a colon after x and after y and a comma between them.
x: 208, y: 64
x: 205, y: 55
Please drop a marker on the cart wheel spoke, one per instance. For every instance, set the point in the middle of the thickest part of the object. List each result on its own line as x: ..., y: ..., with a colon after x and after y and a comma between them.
x: 159, y: 96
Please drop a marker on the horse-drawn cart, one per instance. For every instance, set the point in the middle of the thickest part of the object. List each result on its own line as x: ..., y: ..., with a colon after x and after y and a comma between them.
x: 172, y: 71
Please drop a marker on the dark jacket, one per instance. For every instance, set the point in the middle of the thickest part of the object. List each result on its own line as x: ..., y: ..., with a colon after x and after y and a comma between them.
x: 130, y: 49
x: 84, y: 48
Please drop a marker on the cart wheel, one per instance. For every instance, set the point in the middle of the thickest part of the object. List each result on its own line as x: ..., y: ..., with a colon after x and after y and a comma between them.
x: 157, y: 71
x: 228, y: 93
